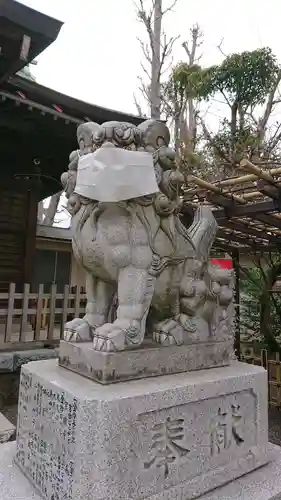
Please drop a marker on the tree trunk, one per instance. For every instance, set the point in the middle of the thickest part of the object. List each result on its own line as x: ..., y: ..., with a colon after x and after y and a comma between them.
x: 52, y: 209
x: 191, y: 125
x: 177, y: 134
x: 190, y: 121
x: 241, y: 118
x: 234, y: 109
x: 155, y: 90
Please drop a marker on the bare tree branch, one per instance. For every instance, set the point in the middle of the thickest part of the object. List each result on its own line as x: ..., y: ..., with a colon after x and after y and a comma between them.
x: 169, y: 9
x: 144, y: 89
x: 145, y: 70
x: 220, y: 47
x: 138, y: 106
x: 213, y: 142
x: 146, y: 18
x: 145, y: 50
x: 196, y: 42
x: 156, y: 52
x: 167, y: 48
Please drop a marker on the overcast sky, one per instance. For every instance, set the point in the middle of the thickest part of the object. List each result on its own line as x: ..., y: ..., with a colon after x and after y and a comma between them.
x: 96, y: 56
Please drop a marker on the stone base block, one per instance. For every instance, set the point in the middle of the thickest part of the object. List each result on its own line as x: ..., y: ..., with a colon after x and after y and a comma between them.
x: 172, y: 437
x: 262, y: 484
x: 146, y: 361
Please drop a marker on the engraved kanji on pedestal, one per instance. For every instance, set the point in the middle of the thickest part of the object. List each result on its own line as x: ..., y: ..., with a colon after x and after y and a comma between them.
x: 166, y: 437
x: 225, y: 429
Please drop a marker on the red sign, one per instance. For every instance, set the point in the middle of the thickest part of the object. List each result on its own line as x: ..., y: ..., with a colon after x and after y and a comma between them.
x: 223, y: 263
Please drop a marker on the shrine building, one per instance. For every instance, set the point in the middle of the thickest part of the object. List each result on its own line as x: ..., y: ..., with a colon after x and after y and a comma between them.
x: 38, y: 131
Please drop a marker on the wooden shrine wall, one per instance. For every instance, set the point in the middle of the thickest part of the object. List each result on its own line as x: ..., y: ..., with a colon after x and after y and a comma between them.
x: 18, y: 217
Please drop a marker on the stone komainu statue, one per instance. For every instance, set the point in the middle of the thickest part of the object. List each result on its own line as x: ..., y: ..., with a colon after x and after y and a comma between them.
x: 145, y: 272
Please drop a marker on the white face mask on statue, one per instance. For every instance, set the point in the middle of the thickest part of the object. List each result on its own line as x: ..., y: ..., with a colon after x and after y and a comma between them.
x: 112, y: 174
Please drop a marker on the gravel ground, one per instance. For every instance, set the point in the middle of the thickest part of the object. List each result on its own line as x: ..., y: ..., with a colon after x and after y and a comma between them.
x: 274, y: 418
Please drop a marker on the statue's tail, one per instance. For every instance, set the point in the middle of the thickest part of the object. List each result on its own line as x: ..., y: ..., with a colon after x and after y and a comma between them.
x: 202, y: 232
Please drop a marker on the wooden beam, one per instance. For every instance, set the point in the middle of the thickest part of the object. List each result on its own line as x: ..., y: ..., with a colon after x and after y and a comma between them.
x: 212, y: 188
x: 219, y: 245
x: 234, y: 210
x: 246, y: 229
x: 217, y: 199
x: 268, y: 220
x: 259, y: 172
x: 273, y: 192
x: 40, y: 107
x: 253, y: 210
x: 239, y: 239
x: 228, y: 246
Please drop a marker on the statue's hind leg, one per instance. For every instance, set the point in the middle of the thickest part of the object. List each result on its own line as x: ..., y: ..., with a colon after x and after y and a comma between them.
x: 99, y: 298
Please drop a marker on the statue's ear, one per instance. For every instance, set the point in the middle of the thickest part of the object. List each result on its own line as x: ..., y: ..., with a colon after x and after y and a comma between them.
x: 85, y: 132
x: 155, y: 133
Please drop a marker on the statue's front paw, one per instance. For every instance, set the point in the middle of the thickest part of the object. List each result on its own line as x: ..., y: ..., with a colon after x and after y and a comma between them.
x: 77, y: 330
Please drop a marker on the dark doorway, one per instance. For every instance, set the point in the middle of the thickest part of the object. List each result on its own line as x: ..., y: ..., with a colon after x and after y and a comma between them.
x: 51, y: 267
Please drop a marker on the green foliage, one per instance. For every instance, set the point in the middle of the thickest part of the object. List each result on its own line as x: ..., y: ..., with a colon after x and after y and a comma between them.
x: 250, y: 290
x: 199, y: 163
x: 244, y: 82
x: 191, y: 81
x: 247, y: 78
x: 238, y: 143
x: 256, y: 301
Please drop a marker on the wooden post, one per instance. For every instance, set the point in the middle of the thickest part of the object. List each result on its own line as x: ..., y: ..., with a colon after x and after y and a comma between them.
x: 25, y: 301
x: 51, y: 325
x: 30, y: 241
x: 237, y: 348
x: 9, y: 324
x: 64, y: 310
x: 77, y: 302
x: 39, y: 312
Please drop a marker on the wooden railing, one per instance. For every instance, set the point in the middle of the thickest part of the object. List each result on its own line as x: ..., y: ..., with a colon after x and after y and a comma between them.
x: 272, y: 363
x: 27, y: 318
x: 31, y: 319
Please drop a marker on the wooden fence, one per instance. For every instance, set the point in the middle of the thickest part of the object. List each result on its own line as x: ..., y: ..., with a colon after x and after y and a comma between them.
x: 30, y: 318
x: 272, y: 363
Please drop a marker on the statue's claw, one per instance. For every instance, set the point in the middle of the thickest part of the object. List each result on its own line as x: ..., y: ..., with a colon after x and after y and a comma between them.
x: 77, y: 330
x: 169, y: 332
x: 164, y: 339
x: 108, y: 338
x: 115, y: 336
x: 109, y: 344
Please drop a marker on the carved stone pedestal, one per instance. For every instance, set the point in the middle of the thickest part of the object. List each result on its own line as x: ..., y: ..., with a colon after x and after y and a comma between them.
x: 171, y: 437
x: 148, y: 360
x: 261, y: 484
